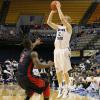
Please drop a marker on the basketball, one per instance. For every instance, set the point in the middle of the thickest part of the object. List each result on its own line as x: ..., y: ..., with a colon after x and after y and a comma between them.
x: 53, y: 4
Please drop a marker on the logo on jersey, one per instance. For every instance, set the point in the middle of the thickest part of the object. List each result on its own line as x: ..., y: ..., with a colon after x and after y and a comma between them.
x: 60, y: 34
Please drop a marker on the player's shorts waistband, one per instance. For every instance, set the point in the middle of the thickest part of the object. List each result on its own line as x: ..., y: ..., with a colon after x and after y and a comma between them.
x: 68, y: 48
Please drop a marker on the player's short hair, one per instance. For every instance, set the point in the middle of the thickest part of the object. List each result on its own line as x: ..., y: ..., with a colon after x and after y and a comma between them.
x: 34, y: 54
x: 27, y: 43
x: 68, y: 18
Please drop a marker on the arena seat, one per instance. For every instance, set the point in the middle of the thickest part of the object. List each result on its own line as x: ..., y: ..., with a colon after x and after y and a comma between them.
x: 29, y: 7
x: 95, y: 15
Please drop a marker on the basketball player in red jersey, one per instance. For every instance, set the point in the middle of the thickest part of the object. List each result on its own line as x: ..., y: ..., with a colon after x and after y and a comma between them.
x: 26, y: 78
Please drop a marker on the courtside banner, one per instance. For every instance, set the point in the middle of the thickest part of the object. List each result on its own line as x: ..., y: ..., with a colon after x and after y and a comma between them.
x: 75, y: 53
x: 89, y: 52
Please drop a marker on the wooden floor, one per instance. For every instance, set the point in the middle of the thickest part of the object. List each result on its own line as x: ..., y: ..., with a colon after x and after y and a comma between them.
x: 13, y: 92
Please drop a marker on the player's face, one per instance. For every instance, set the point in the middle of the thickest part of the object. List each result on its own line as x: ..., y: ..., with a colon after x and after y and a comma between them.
x: 68, y: 19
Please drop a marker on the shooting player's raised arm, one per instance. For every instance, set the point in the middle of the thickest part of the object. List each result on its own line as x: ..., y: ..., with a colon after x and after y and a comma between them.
x: 64, y: 19
x: 49, y: 21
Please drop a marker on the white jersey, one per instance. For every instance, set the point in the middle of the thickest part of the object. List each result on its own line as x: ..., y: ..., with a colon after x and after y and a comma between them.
x: 62, y: 38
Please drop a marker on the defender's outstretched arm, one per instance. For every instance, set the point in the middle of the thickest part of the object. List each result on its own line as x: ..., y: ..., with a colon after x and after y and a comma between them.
x: 37, y: 42
x: 40, y: 65
x: 37, y: 63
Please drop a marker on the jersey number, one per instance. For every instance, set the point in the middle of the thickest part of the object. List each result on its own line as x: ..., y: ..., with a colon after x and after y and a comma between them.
x: 60, y: 36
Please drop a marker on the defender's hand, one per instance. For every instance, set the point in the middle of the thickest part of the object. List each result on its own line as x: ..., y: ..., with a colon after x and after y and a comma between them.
x: 38, y: 41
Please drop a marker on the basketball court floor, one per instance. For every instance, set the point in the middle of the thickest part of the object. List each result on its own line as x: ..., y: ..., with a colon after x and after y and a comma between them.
x: 14, y: 92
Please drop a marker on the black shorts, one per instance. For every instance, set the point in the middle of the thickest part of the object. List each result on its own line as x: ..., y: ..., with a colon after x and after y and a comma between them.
x: 32, y: 84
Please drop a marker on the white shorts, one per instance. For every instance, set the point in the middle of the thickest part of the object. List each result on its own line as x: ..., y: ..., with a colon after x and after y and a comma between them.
x: 62, y: 60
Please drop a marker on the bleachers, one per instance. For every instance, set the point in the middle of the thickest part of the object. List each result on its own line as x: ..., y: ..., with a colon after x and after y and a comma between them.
x: 97, y: 44
x: 95, y: 15
x: 75, y: 9
x: 84, y: 40
x: 26, y: 7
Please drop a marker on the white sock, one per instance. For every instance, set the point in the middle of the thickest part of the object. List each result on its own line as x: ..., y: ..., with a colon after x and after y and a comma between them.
x: 60, y: 85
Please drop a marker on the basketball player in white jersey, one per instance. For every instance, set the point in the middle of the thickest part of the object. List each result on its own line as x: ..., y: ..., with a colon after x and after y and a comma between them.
x: 62, y: 50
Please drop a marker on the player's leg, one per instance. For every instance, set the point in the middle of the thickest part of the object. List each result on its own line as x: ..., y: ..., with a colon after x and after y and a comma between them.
x: 58, y: 67
x: 24, y: 83
x: 27, y: 98
x: 46, y: 93
x: 58, y: 72
x: 39, y: 86
x: 66, y: 78
x: 60, y: 79
x: 66, y: 85
x: 29, y: 94
x: 66, y: 67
